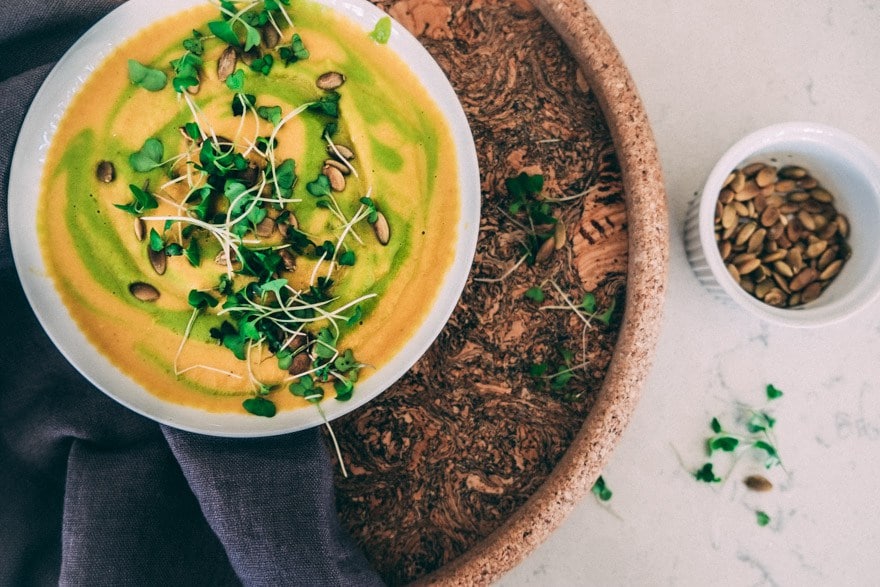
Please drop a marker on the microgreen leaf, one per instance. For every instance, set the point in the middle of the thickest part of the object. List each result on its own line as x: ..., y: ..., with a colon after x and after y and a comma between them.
x: 157, y: 243
x: 201, y: 300
x: 560, y: 380
x: 589, y: 302
x: 149, y: 156
x: 142, y: 201
x: 305, y: 387
x: 275, y: 286
x: 344, y: 389
x: 538, y: 369
x: 285, y: 359
x: 235, y: 82
x: 285, y: 174
x: 345, y: 362
x: 295, y: 52
x: 241, y: 102
x: 605, y: 317
x: 373, y: 213
x: 772, y: 455
x: 524, y: 184
x: 148, y: 78
x: 723, y: 443
x: 535, y: 294
x: 327, y: 105
x: 223, y: 30
x: 193, y: 253
x: 762, y: 518
x: 381, y: 33
x: 319, y: 187
x: 773, y: 392
x: 706, y: 474
x: 270, y: 113
x: 194, y: 43
x: 252, y: 37
x: 325, y: 347
x: 355, y: 317
x: 600, y: 489
x: 263, y: 65
x: 192, y: 131
x: 347, y: 258
x: 259, y: 406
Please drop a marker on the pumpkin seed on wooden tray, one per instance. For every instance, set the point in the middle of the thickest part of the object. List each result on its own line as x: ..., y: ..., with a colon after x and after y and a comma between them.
x: 780, y: 234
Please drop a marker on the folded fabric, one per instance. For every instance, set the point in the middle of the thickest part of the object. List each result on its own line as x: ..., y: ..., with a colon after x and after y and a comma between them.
x: 93, y: 494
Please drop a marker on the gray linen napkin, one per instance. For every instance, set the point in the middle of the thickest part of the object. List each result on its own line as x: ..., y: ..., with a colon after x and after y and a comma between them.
x: 93, y: 494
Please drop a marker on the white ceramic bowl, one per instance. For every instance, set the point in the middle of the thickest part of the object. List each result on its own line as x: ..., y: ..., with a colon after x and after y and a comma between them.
x: 37, y: 131
x: 848, y: 169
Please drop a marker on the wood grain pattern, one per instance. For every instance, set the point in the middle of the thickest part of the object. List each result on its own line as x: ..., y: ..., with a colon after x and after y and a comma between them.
x: 440, y: 460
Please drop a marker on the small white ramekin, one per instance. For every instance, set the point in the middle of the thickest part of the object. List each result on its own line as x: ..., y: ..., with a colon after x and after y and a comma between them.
x: 848, y: 169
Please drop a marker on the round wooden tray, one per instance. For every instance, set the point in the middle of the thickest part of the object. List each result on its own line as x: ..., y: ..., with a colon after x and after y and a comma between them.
x: 473, y: 458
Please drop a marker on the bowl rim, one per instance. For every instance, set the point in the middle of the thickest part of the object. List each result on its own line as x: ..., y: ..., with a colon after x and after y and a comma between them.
x: 830, y: 139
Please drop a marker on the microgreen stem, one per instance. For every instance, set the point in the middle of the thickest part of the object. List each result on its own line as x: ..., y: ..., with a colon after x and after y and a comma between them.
x: 186, y: 333
x: 335, y: 442
x: 506, y: 274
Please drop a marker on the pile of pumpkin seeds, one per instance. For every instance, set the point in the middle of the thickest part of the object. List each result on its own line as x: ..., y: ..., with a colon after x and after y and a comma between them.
x: 779, y: 233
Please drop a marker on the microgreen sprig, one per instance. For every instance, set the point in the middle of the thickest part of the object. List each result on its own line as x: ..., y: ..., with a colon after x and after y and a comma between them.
x: 758, y: 436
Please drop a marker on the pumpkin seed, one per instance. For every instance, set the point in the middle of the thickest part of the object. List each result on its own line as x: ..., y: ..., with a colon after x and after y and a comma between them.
x: 330, y: 80
x: 748, y: 266
x: 766, y: 176
x: 758, y: 483
x: 288, y: 259
x: 728, y: 217
x: 831, y: 270
x: 774, y: 256
x: 842, y: 225
x: 545, y: 251
x: 806, y: 276
x: 337, y: 180
x: 783, y: 186
x: 158, y: 259
x: 265, y: 228
x: 745, y: 231
x: 763, y: 288
x: 783, y: 269
x: 792, y: 172
x: 342, y: 167
x: 821, y: 195
x: 770, y: 216
x: 105, y: 172
x: 140, y: 229
x: 144, y: 291
x: 381, y: 229
x: 559, y: 235
x: 811, y: 292
x: 226, y: 63
x: 343, y: 151
x: 753, y: 168
x: 270, y: 35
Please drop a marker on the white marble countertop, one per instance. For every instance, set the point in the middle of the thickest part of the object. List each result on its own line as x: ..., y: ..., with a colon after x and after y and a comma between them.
x: 709, y: 73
